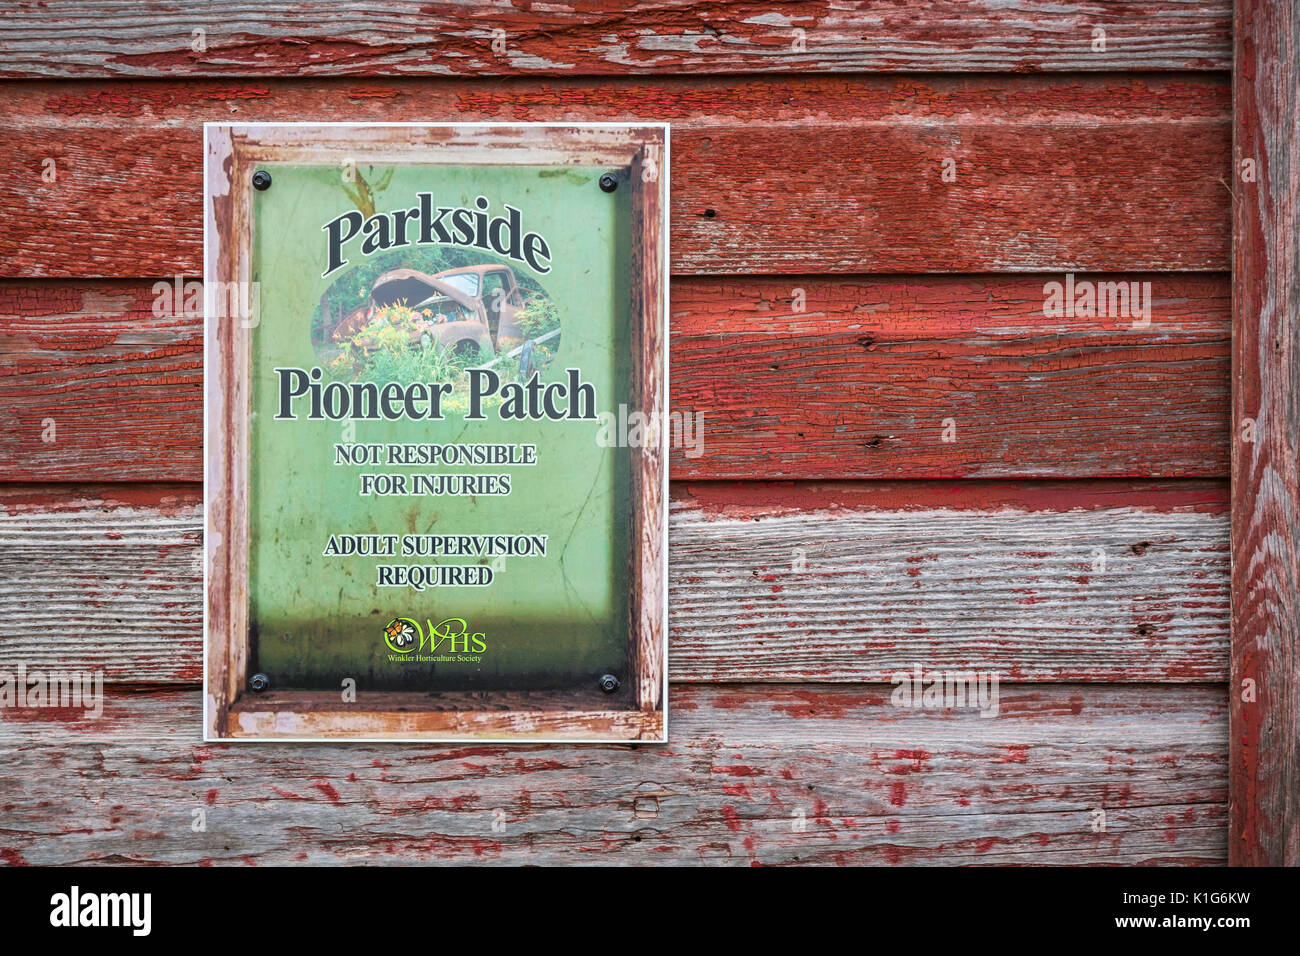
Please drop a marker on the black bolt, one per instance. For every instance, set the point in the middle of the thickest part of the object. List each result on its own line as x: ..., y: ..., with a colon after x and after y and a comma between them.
x: 609, y: 683
x: 261, y: 179
x: 608, y: 183
x: 258, y: 683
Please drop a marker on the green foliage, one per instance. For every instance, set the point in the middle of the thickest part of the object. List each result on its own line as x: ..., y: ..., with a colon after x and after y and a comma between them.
x: 538, y: 316
x: 400, y: 344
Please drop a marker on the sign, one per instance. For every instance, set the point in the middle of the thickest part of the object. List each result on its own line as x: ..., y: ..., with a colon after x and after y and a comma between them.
x: 435, y: 404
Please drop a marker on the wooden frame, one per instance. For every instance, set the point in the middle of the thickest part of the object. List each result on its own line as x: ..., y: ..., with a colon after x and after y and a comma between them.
x: 1264, y: 767
x: 638, y: 711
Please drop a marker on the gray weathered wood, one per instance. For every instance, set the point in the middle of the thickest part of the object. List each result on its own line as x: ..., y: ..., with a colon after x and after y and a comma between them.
x: 1114, y: 594
x: 991, y: 583
x: 752, y: 775
x: 260, y: 38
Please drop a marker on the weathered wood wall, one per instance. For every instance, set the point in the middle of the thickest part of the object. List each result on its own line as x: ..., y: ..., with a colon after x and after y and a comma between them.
x: 835, y: 303
x: 1265, y: 815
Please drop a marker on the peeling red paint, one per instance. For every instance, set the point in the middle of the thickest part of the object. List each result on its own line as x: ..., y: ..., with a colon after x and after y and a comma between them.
x: 738, y: 770
x: 327, y: 788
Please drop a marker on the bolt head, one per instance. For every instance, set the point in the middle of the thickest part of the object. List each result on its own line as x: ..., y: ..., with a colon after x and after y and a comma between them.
x: 608, y: 183
x: 609, y: 683
x: 258, y: 683
x: 261, y: 179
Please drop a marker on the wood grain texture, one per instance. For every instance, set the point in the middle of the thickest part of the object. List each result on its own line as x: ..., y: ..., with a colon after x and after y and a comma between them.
x: 764, y: 775
x: 840, y: 593
x: 1006, y: 578
x: 90, y: 366
x: 805, y: 175
x: 857, y: 384
x: 258, y: 38
x: 966, y: 377
x: 647, y: 630
x: 469, y: 718
x: 786, y: 175
x: 227, y: 344
x: 127, y: 580
x: 1265, y: 769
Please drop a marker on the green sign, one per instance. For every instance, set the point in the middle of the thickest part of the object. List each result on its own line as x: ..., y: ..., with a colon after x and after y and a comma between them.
x: 437, y: 339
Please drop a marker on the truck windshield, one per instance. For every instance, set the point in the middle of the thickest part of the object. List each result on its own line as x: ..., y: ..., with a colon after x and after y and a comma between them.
x: 467, y: 282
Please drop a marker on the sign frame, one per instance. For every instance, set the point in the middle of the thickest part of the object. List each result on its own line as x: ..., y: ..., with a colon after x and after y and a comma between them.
x: 637, y: 154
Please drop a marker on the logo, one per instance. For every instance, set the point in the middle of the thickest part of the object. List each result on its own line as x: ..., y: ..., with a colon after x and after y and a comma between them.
x: 448, y: 640
x: 75, y: 908
x: 401, y: 634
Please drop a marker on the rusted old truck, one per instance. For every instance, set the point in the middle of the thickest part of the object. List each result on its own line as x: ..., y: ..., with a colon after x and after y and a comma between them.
x: 470, y: 311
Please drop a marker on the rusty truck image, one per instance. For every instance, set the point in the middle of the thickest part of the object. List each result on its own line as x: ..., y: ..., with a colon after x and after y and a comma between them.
x: 468, y: 311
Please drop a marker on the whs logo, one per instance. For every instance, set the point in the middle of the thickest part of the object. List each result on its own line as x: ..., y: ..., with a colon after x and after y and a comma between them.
x: 404, y: 635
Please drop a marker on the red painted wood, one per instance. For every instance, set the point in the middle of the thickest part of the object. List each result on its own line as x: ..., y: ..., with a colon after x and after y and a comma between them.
x: 802, y: 175
x: 857, y: 385
x: 785, y: 175
x: 97, y: 38
x: 98, y: 386
x: 894, y: 378
x: 755, y: 499
x: 1265, y: 764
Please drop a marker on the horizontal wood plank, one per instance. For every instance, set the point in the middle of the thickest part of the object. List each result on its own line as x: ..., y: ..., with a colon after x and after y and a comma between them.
x: 129, y: 589
x: 833, y: 592
x: 761, y: 775
x: 1087, y: 581
x: 961, y: 377
x: 864, y: 377
x: 95, y: 384
x: 260, y: 38
x: 783, y: 175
